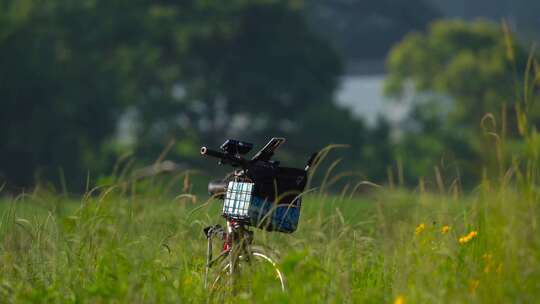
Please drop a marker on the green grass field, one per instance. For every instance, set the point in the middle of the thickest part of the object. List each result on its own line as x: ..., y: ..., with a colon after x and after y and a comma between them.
x: 383, y: 247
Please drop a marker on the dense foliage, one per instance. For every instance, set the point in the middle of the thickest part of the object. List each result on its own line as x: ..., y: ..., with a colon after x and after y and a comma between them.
x: 192, y: 71
x: 84, y: 84
x: 366, y: 30
x: 465, y: 80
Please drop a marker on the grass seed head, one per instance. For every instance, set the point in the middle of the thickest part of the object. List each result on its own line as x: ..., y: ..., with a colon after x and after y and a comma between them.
x: 473, y: 285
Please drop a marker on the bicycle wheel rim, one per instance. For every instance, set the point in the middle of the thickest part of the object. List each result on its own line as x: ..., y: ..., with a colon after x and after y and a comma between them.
x: 221, y: 286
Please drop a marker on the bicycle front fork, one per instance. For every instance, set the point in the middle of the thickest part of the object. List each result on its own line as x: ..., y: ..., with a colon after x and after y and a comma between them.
x: 210, y: 232
x: 236, y: 239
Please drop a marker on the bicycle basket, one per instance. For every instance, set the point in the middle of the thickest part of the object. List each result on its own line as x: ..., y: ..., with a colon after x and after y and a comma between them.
x: 238, y: 200
x: 242, y: 203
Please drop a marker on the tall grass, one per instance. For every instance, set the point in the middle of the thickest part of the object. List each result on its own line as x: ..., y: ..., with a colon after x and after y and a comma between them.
x: 121, y: 247
x: 129, y: 243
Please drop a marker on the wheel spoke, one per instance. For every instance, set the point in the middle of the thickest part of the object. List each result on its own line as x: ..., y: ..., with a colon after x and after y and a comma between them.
x: 252, y: 273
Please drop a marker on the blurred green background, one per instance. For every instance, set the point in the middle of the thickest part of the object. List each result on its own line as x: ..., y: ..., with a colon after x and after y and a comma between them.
x: 86, y: 85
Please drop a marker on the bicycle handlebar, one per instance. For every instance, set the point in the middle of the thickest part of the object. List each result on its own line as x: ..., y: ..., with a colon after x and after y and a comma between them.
x: 213, y: 153
x: 234, y: 160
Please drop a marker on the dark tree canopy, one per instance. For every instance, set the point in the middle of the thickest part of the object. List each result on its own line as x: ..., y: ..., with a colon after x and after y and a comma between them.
x: 522, y: 15
x: 194, y: 71
x: 258, y: 79
x: 363, y: 30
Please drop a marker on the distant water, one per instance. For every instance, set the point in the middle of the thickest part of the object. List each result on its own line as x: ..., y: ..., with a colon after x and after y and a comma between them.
x: 363, y: 94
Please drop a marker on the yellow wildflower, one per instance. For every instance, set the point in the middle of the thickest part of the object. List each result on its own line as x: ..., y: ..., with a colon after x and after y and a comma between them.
x: 420, y: 228
x: 467, y: 238
x: 473, y: 285
x: 445, y: 229
x: 399, y: 300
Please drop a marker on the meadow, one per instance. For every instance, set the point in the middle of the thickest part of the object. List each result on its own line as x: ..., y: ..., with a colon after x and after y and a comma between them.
x: 132, y: 244
x: 141, y: 240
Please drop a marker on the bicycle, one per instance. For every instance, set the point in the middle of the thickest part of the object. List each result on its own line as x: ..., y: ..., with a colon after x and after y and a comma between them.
x: 259, y: 194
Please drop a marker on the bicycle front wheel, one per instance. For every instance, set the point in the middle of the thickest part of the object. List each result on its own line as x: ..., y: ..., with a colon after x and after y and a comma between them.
x: 254, y: 275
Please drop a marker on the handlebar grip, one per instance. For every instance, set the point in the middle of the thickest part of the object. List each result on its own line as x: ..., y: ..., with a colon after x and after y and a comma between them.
x: 208, y: 152
x: 225, y: 158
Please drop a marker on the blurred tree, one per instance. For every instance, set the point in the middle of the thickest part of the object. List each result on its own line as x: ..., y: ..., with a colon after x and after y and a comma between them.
x: 521, y: 15
x: 474, y: 64
x: 61, y: 88
x: 193, y: 70
x: 458, y: 72
x: 362, y: 29
x: 255, y: 76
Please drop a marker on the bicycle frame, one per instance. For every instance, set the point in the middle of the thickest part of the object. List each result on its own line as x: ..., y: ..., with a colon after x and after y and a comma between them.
x: 237, y: 248
x: 236, y: 239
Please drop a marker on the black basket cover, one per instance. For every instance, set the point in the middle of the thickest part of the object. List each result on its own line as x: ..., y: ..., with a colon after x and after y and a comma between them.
x: 281, y: 185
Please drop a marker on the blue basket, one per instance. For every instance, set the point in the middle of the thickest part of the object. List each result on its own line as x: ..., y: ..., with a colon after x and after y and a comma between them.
x: 274, y: 217
x: 242, y: 205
